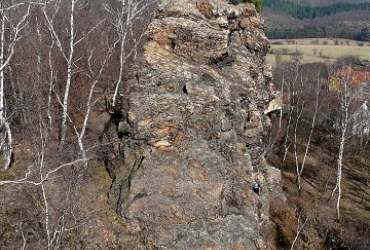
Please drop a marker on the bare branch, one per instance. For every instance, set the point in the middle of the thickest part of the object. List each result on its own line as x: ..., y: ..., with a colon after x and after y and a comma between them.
x: 299, y: 229
x: 25, y: 179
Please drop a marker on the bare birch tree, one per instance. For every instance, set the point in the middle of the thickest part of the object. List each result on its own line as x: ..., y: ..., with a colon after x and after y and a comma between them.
x: 300, y: 167
x: 301, y: 112
x: 300, y: 102
x: 350, y: 108
x: 70, y: 48
x: 299, y: 229
x: 342, y: 138
x: 68, y: 51
x: 129, y: 18
x: 8, y: 42
x: 68, y: 55
x: 291, y: 82
x: 38, y: 175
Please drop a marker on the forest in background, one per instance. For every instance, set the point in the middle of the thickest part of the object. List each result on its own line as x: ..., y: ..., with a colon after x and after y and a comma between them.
x: 325, y: 2
x: 306, y: 11
x: 293, y: 20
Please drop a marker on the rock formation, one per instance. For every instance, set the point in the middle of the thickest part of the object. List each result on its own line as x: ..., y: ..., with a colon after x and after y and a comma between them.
x: 189, y: 143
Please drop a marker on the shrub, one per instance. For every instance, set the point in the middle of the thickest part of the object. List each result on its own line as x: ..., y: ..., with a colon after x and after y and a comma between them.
x: 257, y: 3
x: 285, y: 51
x: 349, y: 60
x: 277, y: 43
x: 315, y: 41
x: 290, y: 41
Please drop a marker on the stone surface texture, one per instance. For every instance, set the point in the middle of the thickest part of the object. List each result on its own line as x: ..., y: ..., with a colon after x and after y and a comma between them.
x: 190, y: 142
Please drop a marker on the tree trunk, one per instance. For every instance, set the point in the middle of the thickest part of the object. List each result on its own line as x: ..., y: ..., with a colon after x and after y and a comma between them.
x: 63, y: 128
x: 5, y: 131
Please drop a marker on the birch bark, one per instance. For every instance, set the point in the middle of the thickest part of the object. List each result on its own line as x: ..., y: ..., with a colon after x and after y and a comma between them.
x: 7, y: 50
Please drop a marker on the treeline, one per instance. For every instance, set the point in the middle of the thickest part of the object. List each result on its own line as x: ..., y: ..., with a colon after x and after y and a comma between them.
x: 318, y: 32
x: 310, y: 12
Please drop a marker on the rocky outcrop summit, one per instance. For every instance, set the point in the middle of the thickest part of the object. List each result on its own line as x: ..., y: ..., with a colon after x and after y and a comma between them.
x: 189, y: 143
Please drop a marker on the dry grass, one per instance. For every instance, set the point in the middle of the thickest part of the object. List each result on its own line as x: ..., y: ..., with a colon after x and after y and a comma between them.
x: 317, y: 50
x: 313, y: 41
x: 271, y: 59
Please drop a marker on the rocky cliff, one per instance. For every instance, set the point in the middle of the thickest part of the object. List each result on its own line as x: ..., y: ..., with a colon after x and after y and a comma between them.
x: 188, y: 145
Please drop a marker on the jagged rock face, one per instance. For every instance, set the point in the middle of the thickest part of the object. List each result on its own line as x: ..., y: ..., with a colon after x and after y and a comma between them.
x: 191, y: 142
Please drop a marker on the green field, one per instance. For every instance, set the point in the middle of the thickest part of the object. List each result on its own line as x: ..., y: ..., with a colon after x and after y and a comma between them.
x: 317, y: 50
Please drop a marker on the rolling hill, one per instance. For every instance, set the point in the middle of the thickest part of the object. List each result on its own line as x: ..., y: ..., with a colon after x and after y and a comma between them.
x: 325, y: 2
x: 313, y: 18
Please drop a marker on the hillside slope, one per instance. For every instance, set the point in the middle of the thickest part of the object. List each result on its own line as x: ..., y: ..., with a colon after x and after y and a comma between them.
x: 343, y: 19
x: 300, y: 143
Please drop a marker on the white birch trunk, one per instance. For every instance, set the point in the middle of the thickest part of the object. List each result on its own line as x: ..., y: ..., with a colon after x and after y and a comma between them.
x: 89, y: 103
x: 345, y: 103
x: 286, y: 138
x: 298, y: 230
x: 340, y: 162
x: 299, y: 113
x: 313, y: 123
x: 292, y: 91
x: 6, y: 137
x: 123, y: 29
x: 121, y: 65
x: 339, y: 173
x: 5, y: 132
x: 131, y: 11
x: 63, y: 132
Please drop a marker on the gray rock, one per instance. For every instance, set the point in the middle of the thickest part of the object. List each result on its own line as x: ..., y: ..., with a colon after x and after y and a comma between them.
x: 195, y: 125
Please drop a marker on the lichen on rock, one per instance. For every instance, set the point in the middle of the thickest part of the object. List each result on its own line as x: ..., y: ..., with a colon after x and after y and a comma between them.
x: 192, y: 138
